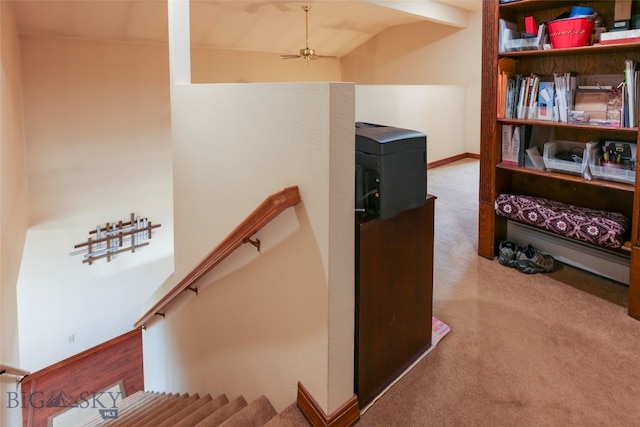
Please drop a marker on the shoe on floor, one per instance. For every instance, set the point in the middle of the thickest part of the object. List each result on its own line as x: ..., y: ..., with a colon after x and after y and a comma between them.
x: 531, y: 260
x: 507, y: 252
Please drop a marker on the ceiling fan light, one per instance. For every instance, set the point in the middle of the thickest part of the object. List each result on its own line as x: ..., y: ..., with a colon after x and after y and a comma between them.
x: 307, y: 52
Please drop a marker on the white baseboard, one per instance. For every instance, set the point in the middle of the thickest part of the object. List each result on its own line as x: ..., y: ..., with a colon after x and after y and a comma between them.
x: 602, y: 262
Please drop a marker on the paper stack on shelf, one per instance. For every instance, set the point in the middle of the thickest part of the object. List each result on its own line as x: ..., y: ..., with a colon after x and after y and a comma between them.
x: 616, y: 37
x: 565, y: 85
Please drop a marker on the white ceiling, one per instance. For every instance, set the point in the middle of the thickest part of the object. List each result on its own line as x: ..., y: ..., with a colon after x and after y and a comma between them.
x: 335, y: 26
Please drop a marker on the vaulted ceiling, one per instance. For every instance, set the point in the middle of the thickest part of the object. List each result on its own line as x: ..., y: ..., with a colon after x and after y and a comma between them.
x: 335, y: 26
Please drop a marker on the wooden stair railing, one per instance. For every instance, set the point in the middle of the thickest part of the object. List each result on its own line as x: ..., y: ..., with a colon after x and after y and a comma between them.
x: 263, y: 214
x: 81, y: 377
x: 5, y: 368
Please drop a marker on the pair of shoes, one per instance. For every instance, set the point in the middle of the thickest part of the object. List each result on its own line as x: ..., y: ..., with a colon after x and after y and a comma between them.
x: 531, y: 260
x: 507, y: 253
x: 528, y: 260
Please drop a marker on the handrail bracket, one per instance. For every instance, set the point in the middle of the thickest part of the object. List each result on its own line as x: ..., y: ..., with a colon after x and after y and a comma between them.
x: 255, y: 242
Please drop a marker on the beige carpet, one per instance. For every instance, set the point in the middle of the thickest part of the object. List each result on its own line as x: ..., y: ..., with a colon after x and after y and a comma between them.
x: 524, y: 350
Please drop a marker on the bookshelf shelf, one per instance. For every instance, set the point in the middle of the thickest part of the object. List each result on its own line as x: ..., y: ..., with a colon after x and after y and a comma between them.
x: 497, y: 177
x: 619, y: 186
x: 629, y: 131
x: 590, y: 50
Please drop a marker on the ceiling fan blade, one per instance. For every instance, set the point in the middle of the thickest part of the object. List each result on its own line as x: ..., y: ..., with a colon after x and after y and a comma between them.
x: 307, y: 53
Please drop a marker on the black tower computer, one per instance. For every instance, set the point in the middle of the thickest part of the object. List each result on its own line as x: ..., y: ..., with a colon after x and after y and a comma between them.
x: 391, y: 169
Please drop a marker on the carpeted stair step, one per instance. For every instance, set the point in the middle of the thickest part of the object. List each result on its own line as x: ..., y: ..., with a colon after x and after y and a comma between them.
x: 151, y: 409
x: 256, y: 414
x: 125, y: 403
x: 190, y: 419
x: 172, y: 420
x: 291, y: 416
x: 153, y: 419
x: 142, y: 410
x: 126, y: 408
x: 222, y: 414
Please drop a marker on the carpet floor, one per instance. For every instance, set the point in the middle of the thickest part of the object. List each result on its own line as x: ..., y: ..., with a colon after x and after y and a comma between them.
x: 528, y: 350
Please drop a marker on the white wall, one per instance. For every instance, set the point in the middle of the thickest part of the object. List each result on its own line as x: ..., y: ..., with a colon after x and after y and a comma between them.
x: 288, y: 314
x: 97, y: 124
x: 423, y: 55
x: 433, y: 110
x: 87, y: 102
x: 226, y: 66
x: 13, y: 205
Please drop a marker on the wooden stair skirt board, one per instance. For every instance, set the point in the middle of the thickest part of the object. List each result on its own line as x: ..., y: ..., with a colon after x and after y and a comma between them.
x: 345, y: 416
x: 153, y: 409
x: 598, y: 261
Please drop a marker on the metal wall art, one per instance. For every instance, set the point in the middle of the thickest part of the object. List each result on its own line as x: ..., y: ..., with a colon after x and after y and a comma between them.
x: 113, y: 238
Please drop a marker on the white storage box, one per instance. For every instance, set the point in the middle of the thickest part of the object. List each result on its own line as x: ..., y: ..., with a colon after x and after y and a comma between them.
x: 565, y: 156
x: 623, y: 170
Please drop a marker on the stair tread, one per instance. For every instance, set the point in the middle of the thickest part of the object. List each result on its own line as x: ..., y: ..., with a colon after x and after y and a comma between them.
x: 170, y: 420
x: 142, y: 410
x: 129, y: 407
x: 291, y: 416
x: 222, y: 414
x: 256, y: 414
x: 197, y: 415
x: 153, y: 409
x: 156, y: 417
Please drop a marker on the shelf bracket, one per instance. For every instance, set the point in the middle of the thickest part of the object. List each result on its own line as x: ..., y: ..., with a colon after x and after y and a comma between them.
x: 255, y: 243
x: 193, y: 289
x: 160, y: 314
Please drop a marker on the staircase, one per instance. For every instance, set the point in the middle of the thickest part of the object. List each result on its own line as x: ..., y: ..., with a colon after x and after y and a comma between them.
x: 152, y: 409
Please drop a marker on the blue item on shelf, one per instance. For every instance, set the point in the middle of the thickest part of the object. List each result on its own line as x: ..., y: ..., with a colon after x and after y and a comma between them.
x: 577, y: 11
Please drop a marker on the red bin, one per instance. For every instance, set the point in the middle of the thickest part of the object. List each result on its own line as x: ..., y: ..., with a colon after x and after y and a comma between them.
x: 570, y: 32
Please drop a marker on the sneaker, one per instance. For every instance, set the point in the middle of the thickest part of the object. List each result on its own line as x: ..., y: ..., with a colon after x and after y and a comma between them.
x: 531, y: 260
x: 507, y: 252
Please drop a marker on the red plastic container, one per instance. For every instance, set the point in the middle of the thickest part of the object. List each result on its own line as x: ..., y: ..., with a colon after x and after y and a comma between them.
x: 570, y: 32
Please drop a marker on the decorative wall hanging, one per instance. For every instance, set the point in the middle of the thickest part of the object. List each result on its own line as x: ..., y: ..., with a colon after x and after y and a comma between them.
x: 114, y: 238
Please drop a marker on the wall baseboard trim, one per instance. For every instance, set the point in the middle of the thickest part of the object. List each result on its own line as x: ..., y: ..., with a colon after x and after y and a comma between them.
x: 452, y: 159
x: 346, y: 415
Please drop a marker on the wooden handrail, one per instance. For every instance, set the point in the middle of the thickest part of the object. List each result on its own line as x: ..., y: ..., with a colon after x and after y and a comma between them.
x: 263, y: 214
x: 12, y: 370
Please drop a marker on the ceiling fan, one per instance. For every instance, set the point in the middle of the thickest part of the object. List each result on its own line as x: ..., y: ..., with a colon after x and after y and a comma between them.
x: 307, y: 53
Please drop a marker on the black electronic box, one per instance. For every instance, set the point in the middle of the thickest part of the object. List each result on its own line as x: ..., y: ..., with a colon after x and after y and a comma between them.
x: 391, y: 169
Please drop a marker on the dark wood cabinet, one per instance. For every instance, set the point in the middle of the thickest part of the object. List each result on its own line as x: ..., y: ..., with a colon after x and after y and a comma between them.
x: 394, y: 296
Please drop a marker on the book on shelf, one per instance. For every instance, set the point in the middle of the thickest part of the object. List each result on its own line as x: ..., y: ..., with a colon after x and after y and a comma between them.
x: 516, y: 140
x: 533, y: 82
x: 522, y: 137
x: 507, y: 145
x: 631, y: 104
x: 546, y: 97
x: 506, y: 69
x: 520, y: 97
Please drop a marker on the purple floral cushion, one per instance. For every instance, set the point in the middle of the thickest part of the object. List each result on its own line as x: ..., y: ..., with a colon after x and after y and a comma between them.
x: 601, y: 228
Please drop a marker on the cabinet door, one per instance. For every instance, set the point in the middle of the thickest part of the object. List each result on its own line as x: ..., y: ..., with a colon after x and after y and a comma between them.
x: 394, y: 277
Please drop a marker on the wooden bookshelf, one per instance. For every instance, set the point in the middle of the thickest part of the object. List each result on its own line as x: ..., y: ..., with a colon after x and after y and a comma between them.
x: 497, y: 177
